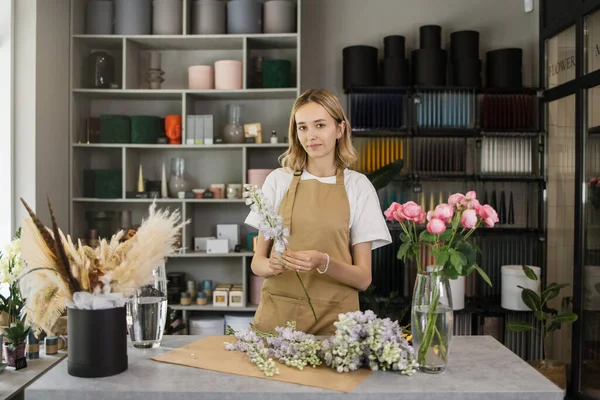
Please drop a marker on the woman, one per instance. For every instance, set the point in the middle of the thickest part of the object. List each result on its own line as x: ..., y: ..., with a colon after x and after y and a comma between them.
x: 334, y: 220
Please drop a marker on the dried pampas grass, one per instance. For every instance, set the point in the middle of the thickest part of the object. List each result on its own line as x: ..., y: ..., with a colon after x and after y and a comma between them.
x: 56, y: 267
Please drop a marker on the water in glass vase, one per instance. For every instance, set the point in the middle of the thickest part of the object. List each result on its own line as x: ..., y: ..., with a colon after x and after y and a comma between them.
x: 146, y: 317
x: 432, y: 331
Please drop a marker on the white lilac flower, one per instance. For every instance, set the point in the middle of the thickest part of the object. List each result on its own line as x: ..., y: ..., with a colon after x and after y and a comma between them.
x: 271, y: 224
x: 362, y: 339
x: 294, y: 348
x: 250, y: 343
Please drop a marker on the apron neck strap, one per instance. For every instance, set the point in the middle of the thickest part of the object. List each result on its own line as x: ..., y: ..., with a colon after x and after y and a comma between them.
x: 289, y: 201
x: 339, y: 177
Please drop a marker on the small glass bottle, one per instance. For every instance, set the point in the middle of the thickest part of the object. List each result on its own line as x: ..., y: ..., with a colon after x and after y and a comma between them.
x: 274, y: 139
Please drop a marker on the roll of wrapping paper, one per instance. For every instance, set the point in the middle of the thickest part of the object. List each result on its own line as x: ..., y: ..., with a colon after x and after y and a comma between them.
x: 438, y: 155
x: 374, y: 153
x: 508, y: 111
x: 447, y: 109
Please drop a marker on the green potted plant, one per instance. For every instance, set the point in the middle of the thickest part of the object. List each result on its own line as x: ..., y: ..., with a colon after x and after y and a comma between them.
x: 11, y: 264
x: 14, y: 342
x: 550, y: 320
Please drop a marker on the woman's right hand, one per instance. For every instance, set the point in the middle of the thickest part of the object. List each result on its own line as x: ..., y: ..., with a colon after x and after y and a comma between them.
x: 275, y: 264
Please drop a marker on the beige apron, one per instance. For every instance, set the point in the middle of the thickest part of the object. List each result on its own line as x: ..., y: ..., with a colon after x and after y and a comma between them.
x: 318, y: 217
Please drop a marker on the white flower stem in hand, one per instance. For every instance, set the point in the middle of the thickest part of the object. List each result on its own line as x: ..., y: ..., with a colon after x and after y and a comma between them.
x: 271, y: 226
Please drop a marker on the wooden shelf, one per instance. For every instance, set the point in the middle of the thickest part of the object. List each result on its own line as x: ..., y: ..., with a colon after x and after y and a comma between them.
x: 158, y: 200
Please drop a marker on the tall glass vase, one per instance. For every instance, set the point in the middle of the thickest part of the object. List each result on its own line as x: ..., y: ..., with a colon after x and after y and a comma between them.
x: 147, y: 312
x: 432, y: 321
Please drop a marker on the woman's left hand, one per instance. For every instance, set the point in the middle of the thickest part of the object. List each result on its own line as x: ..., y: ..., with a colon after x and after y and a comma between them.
x: 304, y: 261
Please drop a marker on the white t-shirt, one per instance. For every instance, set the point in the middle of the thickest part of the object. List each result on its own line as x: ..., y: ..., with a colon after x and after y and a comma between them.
x: 367, y: 222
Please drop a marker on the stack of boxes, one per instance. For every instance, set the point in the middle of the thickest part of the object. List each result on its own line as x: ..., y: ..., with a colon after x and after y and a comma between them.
x: 200, y: 129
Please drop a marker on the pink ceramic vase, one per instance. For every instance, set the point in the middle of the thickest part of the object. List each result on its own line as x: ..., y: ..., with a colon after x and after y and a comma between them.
x: 201, y: 77
x: 228, y: 75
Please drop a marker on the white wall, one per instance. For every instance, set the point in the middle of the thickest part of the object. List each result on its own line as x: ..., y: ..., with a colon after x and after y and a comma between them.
x: 42, y: 108
x: 330, y: 25
x: 6, y: 120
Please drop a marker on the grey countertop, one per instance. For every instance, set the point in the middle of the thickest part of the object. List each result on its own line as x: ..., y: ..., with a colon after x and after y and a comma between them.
x: 479, y: 368
x: 12, y: 382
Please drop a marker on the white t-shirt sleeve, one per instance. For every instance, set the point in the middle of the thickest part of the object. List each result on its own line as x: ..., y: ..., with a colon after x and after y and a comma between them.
x: 269, y: 189
x: 368, y: 222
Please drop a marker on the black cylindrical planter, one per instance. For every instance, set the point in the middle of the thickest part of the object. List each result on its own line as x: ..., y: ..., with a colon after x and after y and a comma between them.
x: 429, y: 67
x: 430, y: 37
x: 360, y: 66
x: 504, y: 68
x: 394, y: 72
x: 464, y: 45
x: 97, y: 342
x: 467, y: 73
x: 394, y: 46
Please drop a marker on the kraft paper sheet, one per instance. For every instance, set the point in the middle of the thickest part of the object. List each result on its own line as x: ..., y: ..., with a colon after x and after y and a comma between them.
x: 210, y: 354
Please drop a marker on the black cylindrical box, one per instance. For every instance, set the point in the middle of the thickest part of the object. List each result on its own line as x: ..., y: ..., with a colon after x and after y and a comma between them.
x: 394, y: 72
x: 429, y: 67
x: 504, y: 68
x: 464, y: 44
x: 467, y: 73
x: 97, y: 342
x: 430, y: 37
x: 394, y: 46
x: 360, y: 66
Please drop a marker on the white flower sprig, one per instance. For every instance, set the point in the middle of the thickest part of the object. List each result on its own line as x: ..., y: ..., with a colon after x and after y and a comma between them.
x: 271, y: 226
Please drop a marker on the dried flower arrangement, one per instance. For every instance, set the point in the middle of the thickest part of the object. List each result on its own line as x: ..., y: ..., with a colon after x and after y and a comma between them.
x: 60, y: 273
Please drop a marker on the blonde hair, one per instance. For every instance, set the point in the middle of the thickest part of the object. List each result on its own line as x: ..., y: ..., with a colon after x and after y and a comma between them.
x: 296, y: 157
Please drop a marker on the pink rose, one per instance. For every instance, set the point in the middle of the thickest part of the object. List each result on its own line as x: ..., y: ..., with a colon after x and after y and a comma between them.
x: 436, y: 226
x: 444, y: 212
x: 470, y: 200
x: 421, y: 219
x: 469, y: 219
x: 430, y: 215
x: 489, y: 215
x: 471, y: 194
x: 389, y: 213
x: 412, y: 211
x: 489, y: 222
x: 455, y: 199
x: 473, y: 204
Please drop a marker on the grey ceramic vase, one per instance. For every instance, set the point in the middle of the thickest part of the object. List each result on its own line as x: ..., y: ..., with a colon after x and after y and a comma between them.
x: 167, y: 17
x: 209, y: 17
x: 133, y: 17
x: 99, y: 17
x: 244, y: 16
x: 279, y: 16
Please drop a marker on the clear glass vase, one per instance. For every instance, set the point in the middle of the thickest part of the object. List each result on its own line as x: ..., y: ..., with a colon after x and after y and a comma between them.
x: 234, y: 130
x: 432, y: 321
x: 178, y: 181
x: 147, y: 312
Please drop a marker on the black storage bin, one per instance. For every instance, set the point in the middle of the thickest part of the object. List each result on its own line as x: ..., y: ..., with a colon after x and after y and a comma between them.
x: 504, y: 68
x: 97, y: 342
x: 360, y: 66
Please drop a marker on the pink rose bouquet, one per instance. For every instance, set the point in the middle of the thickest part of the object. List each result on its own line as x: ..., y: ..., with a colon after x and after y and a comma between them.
x: 447, y: 231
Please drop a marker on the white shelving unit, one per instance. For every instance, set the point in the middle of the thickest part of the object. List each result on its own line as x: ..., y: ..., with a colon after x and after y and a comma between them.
x: 206, y: 164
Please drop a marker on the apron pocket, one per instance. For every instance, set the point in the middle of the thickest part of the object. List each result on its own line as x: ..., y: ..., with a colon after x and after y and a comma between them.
x: 275, y: 310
